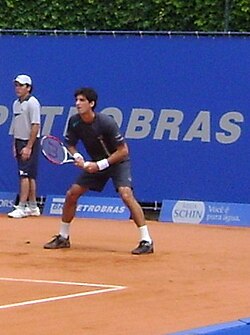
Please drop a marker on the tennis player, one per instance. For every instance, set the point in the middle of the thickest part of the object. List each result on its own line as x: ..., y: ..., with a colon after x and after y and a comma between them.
x: 109, y: 152
x: 26, y: 132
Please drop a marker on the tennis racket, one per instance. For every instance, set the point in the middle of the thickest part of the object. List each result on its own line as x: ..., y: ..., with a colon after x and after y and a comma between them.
x: 55, y: 151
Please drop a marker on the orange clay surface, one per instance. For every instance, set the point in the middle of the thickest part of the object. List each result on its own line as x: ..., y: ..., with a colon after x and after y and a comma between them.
x: 198, y: 275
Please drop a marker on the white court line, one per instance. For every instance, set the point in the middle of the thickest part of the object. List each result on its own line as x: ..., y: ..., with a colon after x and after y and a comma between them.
x: 58, y: 282
x: 108, y: 288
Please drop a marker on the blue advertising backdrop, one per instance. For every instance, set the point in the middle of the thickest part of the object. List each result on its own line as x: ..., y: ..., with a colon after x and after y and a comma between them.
x: 182, y: 104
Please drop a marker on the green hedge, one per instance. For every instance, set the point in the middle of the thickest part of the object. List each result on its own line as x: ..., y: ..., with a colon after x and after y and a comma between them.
x: 174, y: 15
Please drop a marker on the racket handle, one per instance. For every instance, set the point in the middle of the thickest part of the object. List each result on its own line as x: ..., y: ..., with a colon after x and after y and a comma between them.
x: 86, y: 164
x: 77, y: 155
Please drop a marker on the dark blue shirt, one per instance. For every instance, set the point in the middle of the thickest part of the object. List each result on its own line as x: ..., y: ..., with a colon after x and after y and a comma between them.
x: 100, y: 138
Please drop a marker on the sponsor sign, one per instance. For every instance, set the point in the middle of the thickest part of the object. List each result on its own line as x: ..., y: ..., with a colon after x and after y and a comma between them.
x: 165, y: 121
x: 214, y: 213
x: 7, y: 201
x: 89, y: 207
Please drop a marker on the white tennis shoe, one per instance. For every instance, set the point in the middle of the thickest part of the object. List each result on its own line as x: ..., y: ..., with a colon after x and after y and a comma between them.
x: 32, y: 211
x: 17, y: 213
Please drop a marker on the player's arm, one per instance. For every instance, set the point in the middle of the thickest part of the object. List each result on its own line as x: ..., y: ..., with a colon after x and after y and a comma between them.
x: 117, y: 156
x: 121, y: 153
x: 33, y: 135
x: 14, y: 148
x: 34, y: 114
x: 26, y: 151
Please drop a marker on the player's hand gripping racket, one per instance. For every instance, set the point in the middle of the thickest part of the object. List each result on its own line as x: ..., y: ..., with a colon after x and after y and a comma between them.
x: 55, y: 151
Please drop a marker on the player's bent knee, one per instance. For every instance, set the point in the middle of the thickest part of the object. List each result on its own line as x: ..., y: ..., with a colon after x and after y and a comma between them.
x: 72, y: 196
x: 127, y: 196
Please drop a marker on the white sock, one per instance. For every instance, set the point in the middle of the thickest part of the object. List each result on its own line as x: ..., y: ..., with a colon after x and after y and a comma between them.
x: 21, y: 205
x: 32, y: 204
x: 64, y: 229
x: 145, y: 234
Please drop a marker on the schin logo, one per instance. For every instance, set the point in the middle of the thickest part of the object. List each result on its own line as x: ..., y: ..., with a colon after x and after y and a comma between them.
x: 188, y: 211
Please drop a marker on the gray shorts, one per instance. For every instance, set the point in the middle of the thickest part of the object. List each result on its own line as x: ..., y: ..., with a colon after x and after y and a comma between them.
x: 28, y: 168
x: 119, y: 173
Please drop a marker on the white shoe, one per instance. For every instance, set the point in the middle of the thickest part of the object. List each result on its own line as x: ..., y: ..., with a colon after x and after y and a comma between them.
x: 17, y: 213
x: 32, y: 211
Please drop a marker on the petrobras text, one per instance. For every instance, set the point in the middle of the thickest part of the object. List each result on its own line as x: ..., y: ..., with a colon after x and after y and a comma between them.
x: 89, y: 207
x: 7, y: 201
x: 196, y: 212
x: 168, y: 123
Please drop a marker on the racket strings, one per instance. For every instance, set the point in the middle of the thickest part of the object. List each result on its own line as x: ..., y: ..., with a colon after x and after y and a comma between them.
x: 54, y: 151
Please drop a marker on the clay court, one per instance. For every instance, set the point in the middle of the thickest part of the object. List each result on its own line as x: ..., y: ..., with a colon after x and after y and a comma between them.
x: 198, y: 275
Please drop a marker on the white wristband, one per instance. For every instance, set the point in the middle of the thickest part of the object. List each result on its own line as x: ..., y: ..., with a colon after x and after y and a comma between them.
x: 102, y: 164
x: 77, y: 155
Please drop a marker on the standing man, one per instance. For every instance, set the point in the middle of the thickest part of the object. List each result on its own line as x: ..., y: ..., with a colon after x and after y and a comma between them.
x: 26, y: 133
x: 109, y: 154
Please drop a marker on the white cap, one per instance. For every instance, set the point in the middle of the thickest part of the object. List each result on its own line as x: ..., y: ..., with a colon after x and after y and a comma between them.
x: 23, y: 79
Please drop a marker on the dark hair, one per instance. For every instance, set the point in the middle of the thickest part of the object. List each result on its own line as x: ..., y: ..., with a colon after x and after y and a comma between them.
x: 31, y: 88
x: 89, y: 93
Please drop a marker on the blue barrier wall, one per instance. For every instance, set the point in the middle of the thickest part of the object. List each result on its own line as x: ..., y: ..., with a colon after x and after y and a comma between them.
x: 182, y: 103
x: 237, y: 327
